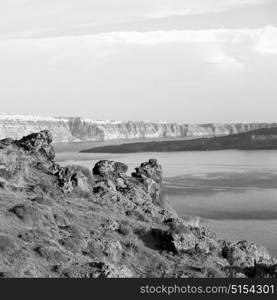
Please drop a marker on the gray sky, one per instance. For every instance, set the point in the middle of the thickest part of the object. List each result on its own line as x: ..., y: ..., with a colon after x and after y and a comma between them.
x: 169, y: 60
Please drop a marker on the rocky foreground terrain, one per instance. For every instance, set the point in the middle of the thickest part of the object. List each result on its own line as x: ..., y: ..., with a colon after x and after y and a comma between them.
x: 73, y: 222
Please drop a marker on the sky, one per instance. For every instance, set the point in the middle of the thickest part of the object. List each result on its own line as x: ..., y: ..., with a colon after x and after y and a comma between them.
x: 191, y: 61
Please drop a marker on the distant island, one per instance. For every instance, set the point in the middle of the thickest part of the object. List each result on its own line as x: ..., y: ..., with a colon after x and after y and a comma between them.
x: 260, y: 139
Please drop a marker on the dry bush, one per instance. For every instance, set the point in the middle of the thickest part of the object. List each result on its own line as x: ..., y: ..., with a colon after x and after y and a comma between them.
x: 84, y: 170
x: 194, y: 222
x: 14, y: 166
x: 125, y: 228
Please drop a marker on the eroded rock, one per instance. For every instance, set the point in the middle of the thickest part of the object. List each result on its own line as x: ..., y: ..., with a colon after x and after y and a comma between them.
x: 150, y: 175
x: 109, y: 169
x: 39, y: 142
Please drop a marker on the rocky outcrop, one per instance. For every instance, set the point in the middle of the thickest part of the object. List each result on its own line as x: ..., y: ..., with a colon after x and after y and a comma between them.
x: 70, y: 222
x: 67, y: 179
x: 39, y: 146
x: 145, y: 183
x: 38, y: 143
x: 150, y: 175
x: 109, y: 169
x: 188, y: 238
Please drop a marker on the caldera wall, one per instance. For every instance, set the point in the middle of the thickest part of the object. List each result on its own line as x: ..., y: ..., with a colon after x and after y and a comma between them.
x: 80, y: 129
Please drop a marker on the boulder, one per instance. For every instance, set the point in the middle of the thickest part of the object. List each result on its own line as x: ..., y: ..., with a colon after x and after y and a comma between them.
x: 151, y: 176
x: 67, y: 178
x: 109, y: 169
x: 150, y: 169
x: 39, y: 142
x: 187, y: 238
x: 111, y: 174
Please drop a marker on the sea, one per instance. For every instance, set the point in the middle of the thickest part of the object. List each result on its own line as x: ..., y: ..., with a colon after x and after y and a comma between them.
x: 233, y: 192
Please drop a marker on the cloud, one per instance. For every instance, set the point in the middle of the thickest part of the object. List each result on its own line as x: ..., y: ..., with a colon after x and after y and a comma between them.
x: 228, y: 50
x: 226, y: 63
x: 195, y: 73
x: 35, y: 17
x: 262, y: 41
x: 199, y: 7
x: 267, y: 42
x: 265, y: 39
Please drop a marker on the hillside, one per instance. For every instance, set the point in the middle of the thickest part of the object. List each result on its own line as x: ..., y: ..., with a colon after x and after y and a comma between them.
x: 260, y: 139
x: 73, y: 222
x: 70, y: 129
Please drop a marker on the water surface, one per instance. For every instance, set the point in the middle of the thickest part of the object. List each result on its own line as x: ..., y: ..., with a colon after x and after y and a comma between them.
x: 233, y: 192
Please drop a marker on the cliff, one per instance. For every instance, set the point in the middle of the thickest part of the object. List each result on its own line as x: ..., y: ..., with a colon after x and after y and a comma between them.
x: 260, y: 139
x: 79, y: 129
x: 73, y: 222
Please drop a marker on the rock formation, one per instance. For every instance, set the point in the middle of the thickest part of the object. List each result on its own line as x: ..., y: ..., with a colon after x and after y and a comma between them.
x: 73, y: 222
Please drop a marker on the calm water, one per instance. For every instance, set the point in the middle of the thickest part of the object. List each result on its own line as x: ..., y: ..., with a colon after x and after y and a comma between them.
x: 233, y: 192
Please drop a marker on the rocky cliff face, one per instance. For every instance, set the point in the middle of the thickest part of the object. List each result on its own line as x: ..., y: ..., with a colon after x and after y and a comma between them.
x: 78, y: 129
x: 74, y: 222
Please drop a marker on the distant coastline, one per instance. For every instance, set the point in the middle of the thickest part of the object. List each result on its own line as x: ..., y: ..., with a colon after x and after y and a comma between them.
x: 260, y: 139
x: 77, y: 129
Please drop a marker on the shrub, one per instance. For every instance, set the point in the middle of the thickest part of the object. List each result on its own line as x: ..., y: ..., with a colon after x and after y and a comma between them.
x: 84, y: 170
x: 125, y: 228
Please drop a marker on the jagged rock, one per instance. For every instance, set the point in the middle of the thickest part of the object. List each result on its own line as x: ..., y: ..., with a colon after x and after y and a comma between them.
x: 150, y: 175
x: 150, y: 169
x: 67, y: 179
x: 41, y: 143
x: 109, y: 169
x: 111, y: 173
x: 188, y: 238
x: 38, y: 143
x: 245, y: 254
